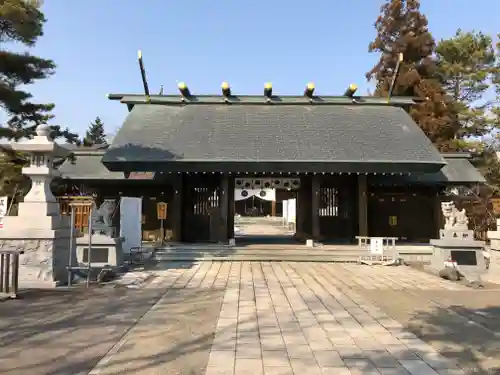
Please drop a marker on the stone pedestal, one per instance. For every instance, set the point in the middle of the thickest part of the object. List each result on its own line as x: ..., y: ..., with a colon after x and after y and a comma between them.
x: 494, y: 237
x: 105, y: 251
x: 466, y: 254
x: 456, y: 246
x: 39, y: 229
x: 105, y: 245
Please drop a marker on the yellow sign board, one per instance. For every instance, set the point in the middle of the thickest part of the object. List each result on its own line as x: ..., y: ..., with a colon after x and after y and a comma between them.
x: 393, y: 221
x: 161, y: 210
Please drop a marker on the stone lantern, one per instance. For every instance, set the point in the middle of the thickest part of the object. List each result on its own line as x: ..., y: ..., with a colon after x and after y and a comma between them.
x: 39, y: 229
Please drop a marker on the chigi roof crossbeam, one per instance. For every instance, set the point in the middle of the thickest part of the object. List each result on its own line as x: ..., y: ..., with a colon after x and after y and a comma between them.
x: 255, y: 100
x: 228, y: 96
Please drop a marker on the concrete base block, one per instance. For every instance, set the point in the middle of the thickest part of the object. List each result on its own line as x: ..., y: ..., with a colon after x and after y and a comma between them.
x: 44, y: 262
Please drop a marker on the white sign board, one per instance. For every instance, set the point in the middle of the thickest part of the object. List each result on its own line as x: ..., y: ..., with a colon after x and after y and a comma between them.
x: 291, y: 210
x: 3, y: 210
x: 376, y: 245
x: 285, y: 211
x: 130, y: 222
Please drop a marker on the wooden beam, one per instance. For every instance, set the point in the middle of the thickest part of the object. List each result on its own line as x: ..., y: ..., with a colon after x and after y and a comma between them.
x: 177, y: 208
x: 261, y: 100
x: 315, y: 203
x: 362, y: 205
x: 224, y: 208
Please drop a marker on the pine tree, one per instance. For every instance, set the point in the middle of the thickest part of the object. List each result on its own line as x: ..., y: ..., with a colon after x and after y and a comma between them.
x: 495, y: 105
x: 95, y: 134
x: 22, y: 22
x: 467, y: 65
x: 402, y: 28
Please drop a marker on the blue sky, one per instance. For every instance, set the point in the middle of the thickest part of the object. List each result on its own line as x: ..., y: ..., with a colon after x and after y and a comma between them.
x: 203, y: 43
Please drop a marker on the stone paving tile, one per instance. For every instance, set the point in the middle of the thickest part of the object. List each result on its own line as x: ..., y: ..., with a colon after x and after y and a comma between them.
x: 248, y: 367
x: 418, y: 367
x: 278, y: 370
x: 361, y: 364
x: 399, y: 370
x: 328, y: 358
x: 335, y: 370
x: 273, y: 358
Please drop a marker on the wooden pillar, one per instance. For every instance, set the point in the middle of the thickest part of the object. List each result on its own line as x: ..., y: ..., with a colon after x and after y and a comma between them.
x: 273, y: 208
x: 315, y: 203
x: 231, y: 208
x: 303, y: 210
x: 299, y: 216
x: 438, y: 214
x: 176, y: 207
x: 224, y: 208
x: 362, y: 205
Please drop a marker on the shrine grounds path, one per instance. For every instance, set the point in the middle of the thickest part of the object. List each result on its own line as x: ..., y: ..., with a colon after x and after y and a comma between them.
x: 257, y: 318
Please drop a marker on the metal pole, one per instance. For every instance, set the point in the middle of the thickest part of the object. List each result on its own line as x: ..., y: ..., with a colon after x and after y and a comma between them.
x: 71, y: 234
x: 13, y: 198
x: 89, y: 253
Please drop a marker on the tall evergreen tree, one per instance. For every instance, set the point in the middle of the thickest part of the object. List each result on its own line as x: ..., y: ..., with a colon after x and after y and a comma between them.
x: 22, y: 22
x: 467, y: 65
x: 495, y: 107
x: 402, y: 28
x: 95, y: 134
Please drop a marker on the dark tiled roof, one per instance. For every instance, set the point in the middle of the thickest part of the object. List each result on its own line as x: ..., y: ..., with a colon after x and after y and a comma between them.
x: 87, y: 166
x: 458, y: 170
x: 272, y: 133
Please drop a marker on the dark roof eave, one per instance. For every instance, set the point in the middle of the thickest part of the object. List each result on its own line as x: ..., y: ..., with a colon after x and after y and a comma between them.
x: 274, y: 166
x: 132, y: 99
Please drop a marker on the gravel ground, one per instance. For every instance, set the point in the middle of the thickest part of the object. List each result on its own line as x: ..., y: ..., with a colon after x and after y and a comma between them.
x: 61, y: 332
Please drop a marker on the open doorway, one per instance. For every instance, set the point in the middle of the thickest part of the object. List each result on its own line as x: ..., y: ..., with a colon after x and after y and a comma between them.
x: 265, y: 213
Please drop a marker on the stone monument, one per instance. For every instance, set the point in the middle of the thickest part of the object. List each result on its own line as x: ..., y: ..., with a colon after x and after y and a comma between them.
x: 456, y: 246
x: 39, y: 229
x: 103, y: 239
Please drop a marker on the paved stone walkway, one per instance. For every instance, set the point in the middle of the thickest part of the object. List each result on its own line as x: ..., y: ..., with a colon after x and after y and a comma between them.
x: 239, y: 318
x: 293, y: 318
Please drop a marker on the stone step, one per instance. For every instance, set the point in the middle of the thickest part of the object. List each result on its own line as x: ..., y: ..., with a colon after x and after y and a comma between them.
x: 259, y: 257
x: 257, y: 252
x: 251, y: 254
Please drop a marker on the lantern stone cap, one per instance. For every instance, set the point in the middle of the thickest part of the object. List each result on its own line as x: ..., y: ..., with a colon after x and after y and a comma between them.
x: 41, y: 143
